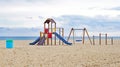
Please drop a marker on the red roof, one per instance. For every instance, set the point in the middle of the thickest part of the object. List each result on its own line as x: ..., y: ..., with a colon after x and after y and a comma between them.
x: 50, y: 20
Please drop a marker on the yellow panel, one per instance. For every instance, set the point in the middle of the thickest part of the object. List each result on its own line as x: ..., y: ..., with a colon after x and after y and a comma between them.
x: 41, y: 34
x: 54, y: 29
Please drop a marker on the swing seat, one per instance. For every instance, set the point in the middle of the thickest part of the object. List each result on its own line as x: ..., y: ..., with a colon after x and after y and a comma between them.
x: 78, y: 40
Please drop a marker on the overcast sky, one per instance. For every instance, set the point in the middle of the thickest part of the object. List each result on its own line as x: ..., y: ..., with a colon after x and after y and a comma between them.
x: 96, y: 15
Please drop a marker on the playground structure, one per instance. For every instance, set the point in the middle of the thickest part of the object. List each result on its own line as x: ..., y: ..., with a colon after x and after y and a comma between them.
x: 84, y: 30
x: 50, y: 37
x: 106, y: 39
x: 50, y: 32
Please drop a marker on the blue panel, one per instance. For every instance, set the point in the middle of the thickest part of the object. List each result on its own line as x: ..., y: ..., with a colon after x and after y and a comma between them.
x: 61, y: 38
x: 9, y: 43
x: 34, y: 42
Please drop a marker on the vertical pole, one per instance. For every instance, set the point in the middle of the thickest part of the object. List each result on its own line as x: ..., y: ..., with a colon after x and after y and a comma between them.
x: 73, y: 36
x: 55, y: 31
x: 106, y: 38
x: 100, y: 39
x: 44, y: 30
x: 59, y: 34
x: 47, y: 36
x: 112, y: 41
x: 88, y: 36
x: 83, y: 38
x: 51, y: 32
x: 40, y: 36
x: 93, y: 40
x: 62, y: 35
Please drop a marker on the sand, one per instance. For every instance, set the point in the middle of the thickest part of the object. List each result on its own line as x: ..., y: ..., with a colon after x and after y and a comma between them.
x: 25, y: 55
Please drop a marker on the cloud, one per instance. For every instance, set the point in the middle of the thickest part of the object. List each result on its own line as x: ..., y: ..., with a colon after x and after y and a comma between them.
x: 57, y: 7
x: 93, y: 15
x: 19, y: 31
x: 94, y: 24
x: 115, y: 8
x: 21, y: 21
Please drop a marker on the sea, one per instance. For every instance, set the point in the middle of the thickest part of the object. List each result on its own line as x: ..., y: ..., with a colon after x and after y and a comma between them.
x: 35, y: 37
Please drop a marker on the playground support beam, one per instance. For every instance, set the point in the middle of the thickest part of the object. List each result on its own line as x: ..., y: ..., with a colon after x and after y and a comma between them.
x: 73, y: 37
x: 59, y: 34
x: 100, y: 39
x: 88, y: 36
x: 112, y: 41
x: 70, y: 34
x: 106, y: 39
x: 40, y: 34
x: 55, y: 36
x: 51, y: 32
x: 62, y: 35
x: 93, y: 40
x: 83, y: 38
x: 47, y: 37
x: 44, y: 29
x: 78, y: 29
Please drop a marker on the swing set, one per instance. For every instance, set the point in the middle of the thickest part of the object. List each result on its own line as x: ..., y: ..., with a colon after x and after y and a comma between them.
x: 84, y: 30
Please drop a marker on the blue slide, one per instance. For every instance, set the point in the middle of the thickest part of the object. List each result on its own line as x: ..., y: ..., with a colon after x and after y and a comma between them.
x: 33, y: 43
x: 61, y: 38
x: 42, y: 40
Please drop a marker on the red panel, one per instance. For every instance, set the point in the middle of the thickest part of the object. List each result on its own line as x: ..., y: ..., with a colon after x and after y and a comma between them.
x: 49, y: 35
x: 46, y: 30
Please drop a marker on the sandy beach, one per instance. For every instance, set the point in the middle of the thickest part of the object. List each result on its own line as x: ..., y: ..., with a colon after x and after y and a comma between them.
x: 25, y: 55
